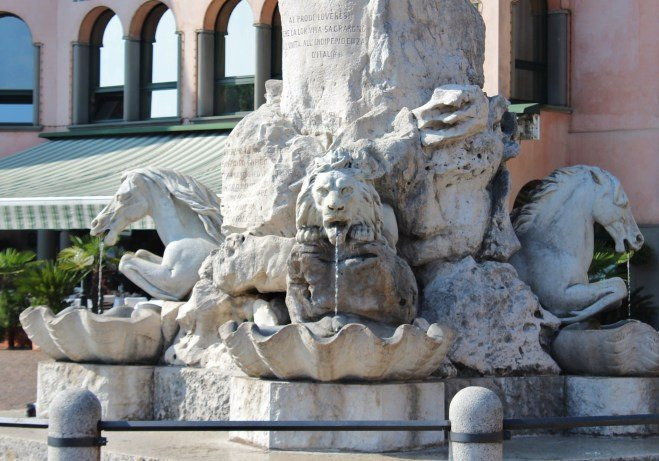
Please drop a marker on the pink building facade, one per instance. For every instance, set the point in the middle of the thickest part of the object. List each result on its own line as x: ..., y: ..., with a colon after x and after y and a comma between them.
x: 609, y: 116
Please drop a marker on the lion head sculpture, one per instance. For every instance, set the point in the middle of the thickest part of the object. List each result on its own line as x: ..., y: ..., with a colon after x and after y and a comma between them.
x: 338, y: 204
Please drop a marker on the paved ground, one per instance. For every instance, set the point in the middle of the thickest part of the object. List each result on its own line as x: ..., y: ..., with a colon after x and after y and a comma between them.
x: 29, y: 444
x: 18, y: 378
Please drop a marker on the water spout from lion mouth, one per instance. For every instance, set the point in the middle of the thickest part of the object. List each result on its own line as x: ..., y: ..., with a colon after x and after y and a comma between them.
x: 337, y: 232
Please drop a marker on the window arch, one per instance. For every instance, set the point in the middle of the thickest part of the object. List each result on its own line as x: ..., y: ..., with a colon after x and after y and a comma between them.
x: 235, y: 56
x: 235, y: 59
x: 19, y: 76
x: 159, y: 64
x: 276, y: 56
x: 98, y: 69
x: 106, y: 69
x: 529, y: 29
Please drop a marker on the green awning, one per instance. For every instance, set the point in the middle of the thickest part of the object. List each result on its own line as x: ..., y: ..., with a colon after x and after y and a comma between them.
x: 63, y: 184
x: 525, y: 108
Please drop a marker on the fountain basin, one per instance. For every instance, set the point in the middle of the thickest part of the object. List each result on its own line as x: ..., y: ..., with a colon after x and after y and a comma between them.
x: 294, y: 352
x: 626, y: 348
x: 121, y: 336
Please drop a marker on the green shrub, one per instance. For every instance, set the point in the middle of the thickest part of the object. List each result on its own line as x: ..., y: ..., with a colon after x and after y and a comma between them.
x: 13, y: 265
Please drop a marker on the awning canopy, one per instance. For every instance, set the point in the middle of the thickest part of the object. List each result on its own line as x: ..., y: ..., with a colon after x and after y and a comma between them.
x: 65, y: 183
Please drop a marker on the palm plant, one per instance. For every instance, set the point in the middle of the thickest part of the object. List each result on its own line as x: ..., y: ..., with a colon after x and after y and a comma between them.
x: 84, y: 257
x: 13, y: 264
x: 47, y: 283
x: 607, y: 264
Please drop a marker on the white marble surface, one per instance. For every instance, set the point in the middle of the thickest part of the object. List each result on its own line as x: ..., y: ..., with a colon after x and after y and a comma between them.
x: 187, y: 217
x: 628, y: 348
x: 556, y: 232
x: 355, y: 352
x: 261, y: 400
x: 125, y: 392
x: 605, y: 396
x: 120, y: 336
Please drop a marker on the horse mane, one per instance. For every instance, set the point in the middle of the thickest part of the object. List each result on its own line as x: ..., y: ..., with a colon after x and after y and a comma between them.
x: 199, y: 198
x: 524, y: 215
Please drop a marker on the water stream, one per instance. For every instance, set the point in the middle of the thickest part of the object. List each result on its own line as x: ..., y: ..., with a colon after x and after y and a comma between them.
x: 336, y: 276
x: 101, y: 250
x: 629, y: 289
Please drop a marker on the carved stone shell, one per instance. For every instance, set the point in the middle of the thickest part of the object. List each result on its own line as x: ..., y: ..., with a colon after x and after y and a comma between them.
x: 627, y: 348
x: 124, y: 337
x: 354, y: 353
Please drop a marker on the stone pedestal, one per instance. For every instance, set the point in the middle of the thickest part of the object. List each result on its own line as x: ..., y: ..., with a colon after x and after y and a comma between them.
x: 125, y: 392
x: 140, y: 392
x: 600, y: 396
x: 262, y: 400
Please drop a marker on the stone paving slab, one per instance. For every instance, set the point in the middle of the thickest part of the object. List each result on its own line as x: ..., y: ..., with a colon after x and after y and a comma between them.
x: 29, y: 444
x: 18, y: 377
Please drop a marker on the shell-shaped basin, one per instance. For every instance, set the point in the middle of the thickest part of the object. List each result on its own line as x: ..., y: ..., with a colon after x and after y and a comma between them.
x: 627, y: 348
x: 354, y: 353
x: 122, y: 337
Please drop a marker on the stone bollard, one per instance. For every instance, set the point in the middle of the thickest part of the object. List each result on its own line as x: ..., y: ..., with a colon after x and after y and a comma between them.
x: 476, y: 416
x: 73, y: 432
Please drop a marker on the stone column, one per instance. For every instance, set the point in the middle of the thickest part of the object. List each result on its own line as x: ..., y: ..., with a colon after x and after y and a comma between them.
x: 131, y: 79
x: 205, y: 72
x: 36, y: 84
x: 80, y: 84
x: 476, y: 416
x: 73, y: 433
x: 64, y: 239
x: 47, y: 244
x: 263, y: 68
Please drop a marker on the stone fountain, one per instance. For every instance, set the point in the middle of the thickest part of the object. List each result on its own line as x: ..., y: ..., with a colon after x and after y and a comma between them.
x: 357, y: 255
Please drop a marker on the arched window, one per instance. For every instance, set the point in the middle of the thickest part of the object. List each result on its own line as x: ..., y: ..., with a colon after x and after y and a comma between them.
x: 159, y: 65
x: 17, y: 55
x: 277, y: 46
x: 235, y: 61
x: 529, y: 28
x: 107, y: 69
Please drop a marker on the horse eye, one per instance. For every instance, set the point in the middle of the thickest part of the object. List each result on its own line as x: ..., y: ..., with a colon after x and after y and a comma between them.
x: 346, y: 190
x: 322, y: 191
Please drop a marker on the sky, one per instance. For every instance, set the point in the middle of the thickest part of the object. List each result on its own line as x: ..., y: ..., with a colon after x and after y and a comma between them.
x: 16, y: 54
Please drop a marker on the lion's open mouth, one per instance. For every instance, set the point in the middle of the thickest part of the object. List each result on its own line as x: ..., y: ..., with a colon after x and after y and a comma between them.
x: 337, y: 231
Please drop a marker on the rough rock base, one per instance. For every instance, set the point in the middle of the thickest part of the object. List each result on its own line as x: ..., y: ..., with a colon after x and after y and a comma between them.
x: 261, y: 400
x: 125, y: 392
x: 190, y: 394
x: 596, y: 396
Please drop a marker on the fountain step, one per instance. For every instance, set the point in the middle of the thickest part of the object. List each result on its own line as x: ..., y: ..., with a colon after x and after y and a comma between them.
x: 30, y: 444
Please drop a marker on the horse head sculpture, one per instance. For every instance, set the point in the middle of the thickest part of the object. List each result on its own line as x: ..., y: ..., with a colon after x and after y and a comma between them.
x: 556, y: 230
x: 129, y: 204
x: 187, y: 218
x: 612, y: 210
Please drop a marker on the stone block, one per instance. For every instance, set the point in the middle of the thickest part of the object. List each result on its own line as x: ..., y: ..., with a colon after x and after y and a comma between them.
x: 183, y: 393
x: 125, y: 392
x: 262, y: 400
x: 598, y: 396
x: 521, y: 396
